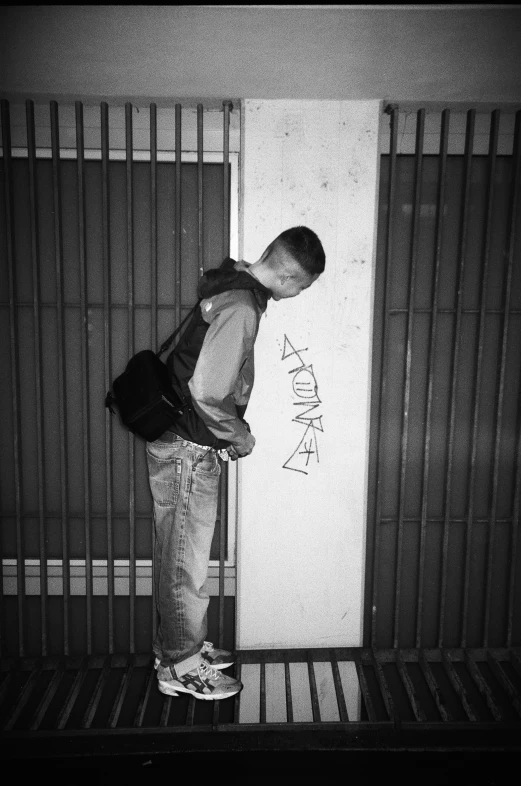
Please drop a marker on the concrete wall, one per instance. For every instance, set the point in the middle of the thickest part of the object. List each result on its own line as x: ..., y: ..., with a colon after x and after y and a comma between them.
x: 302, y: 493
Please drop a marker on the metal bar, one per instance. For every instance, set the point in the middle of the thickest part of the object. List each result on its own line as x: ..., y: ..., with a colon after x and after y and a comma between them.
x: 143, y: 699
x: 516, y: 662
x: 62, y: 391
x: 262, y: 692
x: 153, y: 223
x: 313, y: 690
x: 511, y: 234
x: 454, y: 375
x: 122, y: 692
x: 391, y: 198
x: 190, y: 712
x: 227, y: 107
x: 410, y: 689
x: 420, y: 126
x: 457, y: 685
x: 84, y: 317
x: 96, y: 694
x: 223, y: 517
x: 38, y: 370
x: 24, y: 696
x: 289, y: 698
x: 47, y: 697
x: 384, y: 688
x: 366, y: 693
x: 107, y: 352
x: 15, y: 369
x: 444, y: 141
x: 165, y: 712
x: 482, y: 686
x: 342, y: 708
x: 200, y: 190
x: 215, y: 715
x: 131, y: 330
x: 178, y: 217
x: 504, y: 682
x: 153, y: 292
x: 494, y: 133
x: 72, y: 695
x: 237, y: 699
x: 434, y: 687
x: 494, y: 129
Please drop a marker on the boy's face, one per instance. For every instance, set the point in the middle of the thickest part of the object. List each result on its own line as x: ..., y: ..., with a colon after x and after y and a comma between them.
x: 290, y: 280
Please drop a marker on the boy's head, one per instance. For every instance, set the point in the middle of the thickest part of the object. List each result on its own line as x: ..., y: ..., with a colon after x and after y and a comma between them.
x: 292, y: 262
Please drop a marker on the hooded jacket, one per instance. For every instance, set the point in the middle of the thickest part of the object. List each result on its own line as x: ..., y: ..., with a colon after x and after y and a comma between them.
x: 212, y: 365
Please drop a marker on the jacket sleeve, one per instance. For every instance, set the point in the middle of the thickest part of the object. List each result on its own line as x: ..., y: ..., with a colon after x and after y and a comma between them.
x: 223, y: 368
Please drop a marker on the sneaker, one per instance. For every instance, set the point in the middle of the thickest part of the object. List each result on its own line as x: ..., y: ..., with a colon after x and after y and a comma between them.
x: 203, y: 683
x: 217, y: 659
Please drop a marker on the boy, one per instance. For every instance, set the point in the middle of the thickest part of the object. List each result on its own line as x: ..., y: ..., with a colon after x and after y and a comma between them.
x: 212, y: 367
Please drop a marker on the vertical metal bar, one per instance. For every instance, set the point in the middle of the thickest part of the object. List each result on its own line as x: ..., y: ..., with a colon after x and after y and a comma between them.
x: 420, y: 124
x: 153, y: 293
x: 153, y: 223
x: 47, y: 697
x: 15, y: 371
x: 340, y: 698
x: 262, y: 717
x: 130, y: 329
x: 200, y: 189
x: 223, y: 491
x: 494, y: 129
x: 516, y: 508
x: 391, y: 196
x: 107, y: 336
x: 409, y: 688
x: 177, y: 225
x: 289, y: 698
x: 84, y: 317
x: 434, y: 687
x: 60, y: 330
x: 454, y: 371
x: 38, y: 372
x: 513, y: 211
x: 313, y: 690
x: 444, y: 140
x: 227, y: 107
x: 457, y: 685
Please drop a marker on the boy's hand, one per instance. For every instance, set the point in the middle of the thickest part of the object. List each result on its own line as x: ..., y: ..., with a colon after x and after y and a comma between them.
x: 234, y: 455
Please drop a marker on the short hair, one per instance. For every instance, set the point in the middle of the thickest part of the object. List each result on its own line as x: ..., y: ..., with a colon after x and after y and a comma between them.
x: 305, y: 247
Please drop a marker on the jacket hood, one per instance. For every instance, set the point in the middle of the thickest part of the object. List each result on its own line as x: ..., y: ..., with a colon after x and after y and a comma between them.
x: 232, y: 275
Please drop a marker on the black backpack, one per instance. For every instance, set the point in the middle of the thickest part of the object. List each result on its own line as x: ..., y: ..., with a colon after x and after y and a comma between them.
x: 147, y: 403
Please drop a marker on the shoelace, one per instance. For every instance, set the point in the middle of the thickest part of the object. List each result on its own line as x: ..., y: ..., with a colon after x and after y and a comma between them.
x: 208, y: 672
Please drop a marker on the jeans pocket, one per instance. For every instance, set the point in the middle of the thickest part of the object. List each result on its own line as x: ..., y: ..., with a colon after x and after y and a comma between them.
x: 208, y: 465
x: 165, y: 479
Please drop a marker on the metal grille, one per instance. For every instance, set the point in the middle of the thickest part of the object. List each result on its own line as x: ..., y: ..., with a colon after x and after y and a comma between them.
x: 445, y: 567
x: 103, y: 236
x: 412, y: 698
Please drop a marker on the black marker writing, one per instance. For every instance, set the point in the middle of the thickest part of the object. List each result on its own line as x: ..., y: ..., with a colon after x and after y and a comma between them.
x: 305, y: 388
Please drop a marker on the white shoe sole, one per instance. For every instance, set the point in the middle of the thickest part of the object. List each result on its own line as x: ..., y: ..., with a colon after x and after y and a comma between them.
x: 219, y: 666
x: 169, y: 690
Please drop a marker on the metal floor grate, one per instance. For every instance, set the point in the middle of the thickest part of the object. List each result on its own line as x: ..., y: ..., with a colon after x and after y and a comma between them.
x: 345, y: 691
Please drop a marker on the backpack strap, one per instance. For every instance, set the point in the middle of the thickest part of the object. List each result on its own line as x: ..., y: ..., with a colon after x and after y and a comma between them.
x: 166, y: 344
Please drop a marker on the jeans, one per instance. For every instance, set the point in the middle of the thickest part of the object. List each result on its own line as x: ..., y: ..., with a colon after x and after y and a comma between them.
x: 184, y: 481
